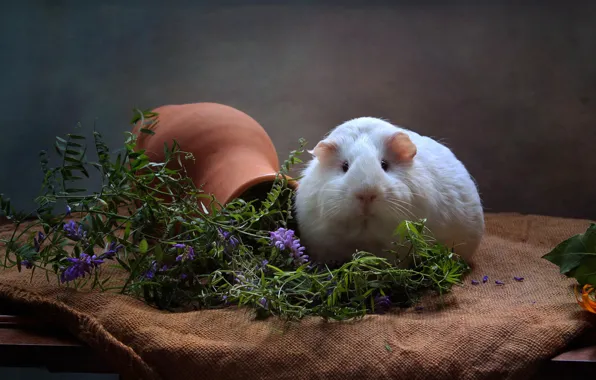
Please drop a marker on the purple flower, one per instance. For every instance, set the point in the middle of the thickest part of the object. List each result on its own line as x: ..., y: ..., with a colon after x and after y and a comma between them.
x: 382, y: 303
x: 153, y: 270
x: 475, y: 282
x: 264, y: 303
x: 229, y: 240
x: 499, y: 282
x: 187, y: 254
x: 232, y: 240
x: 28, y: 264
x: 80, y: 266
x: 74, y: 231
x: 518, y: 278
x: 263, y: 265
x: 68, y: 210
x: 183, y: 276
x: 484, y: 279
x: 284, y: 239
x: 112, y: 250
x: 239, y: 278
x: 38, y: 240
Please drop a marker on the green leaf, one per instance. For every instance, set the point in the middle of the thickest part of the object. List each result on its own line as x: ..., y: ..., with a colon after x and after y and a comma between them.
x: 159, y: 255
x: 127, y: 231
x: 143, y: 246
x: 59, y: 149
x: 575, y: 251
x: 147, y: 131
x: 137, y: 116
x: 585, y: 273
x: 123, y: 264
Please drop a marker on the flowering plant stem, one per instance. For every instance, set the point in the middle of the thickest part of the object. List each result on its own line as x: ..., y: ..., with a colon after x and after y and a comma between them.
x: 175, y: 246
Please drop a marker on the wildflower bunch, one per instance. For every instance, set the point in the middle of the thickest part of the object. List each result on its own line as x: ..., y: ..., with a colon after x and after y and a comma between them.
x: 172, y: 254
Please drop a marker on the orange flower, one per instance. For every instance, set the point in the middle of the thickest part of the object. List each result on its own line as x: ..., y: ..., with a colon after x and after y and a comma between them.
x: 587, y: 300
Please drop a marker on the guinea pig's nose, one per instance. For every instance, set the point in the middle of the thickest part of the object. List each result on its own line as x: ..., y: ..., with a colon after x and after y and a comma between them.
x: 367, y: 196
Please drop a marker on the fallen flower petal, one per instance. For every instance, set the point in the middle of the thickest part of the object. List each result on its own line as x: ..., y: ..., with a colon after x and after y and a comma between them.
x: 499, y: 282
x: 518, y: 278
x: 484, y: 279
x: 475, y: 282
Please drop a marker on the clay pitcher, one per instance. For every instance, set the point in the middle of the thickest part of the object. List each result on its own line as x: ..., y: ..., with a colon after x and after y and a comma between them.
x: 233, y: 153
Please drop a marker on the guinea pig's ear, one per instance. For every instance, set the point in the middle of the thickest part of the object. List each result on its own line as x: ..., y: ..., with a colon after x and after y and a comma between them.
x: 325, y: 152
x: 401, y: 146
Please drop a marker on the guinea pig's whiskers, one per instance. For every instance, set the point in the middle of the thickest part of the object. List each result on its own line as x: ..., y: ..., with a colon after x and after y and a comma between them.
x: 419, y: 195
x: 332, y: 210
x: 330, y: 215
x: 331, y: 202
x: 338, y: 191
x: 399, y: 208
x: 403, y: 213
x: 401, y: 202
x: 333, y: 205
x: 396, y: 207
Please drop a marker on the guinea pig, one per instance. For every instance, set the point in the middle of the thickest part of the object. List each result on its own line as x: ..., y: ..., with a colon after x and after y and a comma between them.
x: 367, y: 176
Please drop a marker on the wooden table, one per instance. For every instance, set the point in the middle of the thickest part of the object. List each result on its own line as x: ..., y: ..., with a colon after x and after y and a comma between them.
x: 25, y: 342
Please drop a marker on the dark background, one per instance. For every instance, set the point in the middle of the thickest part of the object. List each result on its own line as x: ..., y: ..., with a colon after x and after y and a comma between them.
x: 510, y: 88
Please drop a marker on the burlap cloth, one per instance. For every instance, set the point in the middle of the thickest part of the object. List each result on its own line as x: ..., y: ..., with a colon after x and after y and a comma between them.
x: 483, y: 331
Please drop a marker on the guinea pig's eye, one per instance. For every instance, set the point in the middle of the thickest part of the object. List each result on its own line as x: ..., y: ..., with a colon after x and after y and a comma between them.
x: 345, y: 166
x: 384, y: 165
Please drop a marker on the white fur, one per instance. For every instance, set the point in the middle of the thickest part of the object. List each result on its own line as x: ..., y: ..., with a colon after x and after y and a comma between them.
x: 435, y: 186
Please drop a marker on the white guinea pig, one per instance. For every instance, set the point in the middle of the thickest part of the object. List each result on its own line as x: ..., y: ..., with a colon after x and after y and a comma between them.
x: 367, y: 176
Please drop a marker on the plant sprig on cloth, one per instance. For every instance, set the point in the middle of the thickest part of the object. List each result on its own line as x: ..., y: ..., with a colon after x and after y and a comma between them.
x: 178, y: 247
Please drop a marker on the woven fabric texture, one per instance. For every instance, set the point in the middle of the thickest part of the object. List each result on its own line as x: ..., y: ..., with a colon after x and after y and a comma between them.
x: 480, y: 331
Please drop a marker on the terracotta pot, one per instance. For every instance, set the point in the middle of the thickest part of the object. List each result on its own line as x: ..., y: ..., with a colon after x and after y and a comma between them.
x: 233, y: 153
